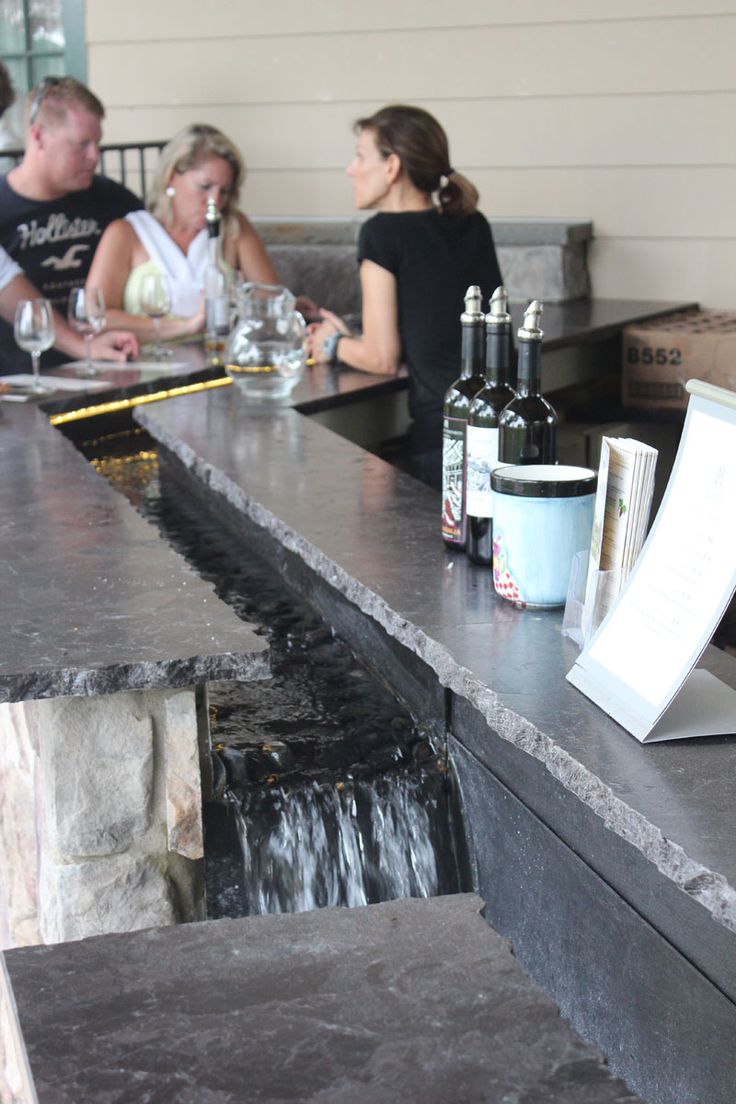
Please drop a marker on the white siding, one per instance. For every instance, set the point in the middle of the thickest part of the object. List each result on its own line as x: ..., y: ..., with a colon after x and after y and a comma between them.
x: 553, y: 107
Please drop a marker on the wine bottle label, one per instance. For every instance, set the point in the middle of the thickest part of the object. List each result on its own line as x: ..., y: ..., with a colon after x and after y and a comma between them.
x: 481, y: 457
x: 217, y: 314
x: 453, y: 472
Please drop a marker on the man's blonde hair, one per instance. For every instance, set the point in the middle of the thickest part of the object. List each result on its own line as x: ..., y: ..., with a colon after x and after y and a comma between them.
x: 50, y: 100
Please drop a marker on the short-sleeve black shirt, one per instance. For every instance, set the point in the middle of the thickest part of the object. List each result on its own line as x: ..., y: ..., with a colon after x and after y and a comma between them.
x: 54, y: 242
x: 435, y: 258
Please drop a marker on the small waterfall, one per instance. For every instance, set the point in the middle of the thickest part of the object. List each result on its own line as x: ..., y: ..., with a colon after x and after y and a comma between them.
x: 346, y: 844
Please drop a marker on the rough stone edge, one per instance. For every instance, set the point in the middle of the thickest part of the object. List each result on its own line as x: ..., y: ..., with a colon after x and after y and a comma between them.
x: 708, y: 888
x: 71, y: 682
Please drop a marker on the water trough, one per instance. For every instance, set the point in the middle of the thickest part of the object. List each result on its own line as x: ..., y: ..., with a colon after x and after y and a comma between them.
x: 324, y: 790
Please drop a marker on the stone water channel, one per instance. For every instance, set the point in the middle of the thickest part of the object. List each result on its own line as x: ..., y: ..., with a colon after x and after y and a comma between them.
x: 325, y: 791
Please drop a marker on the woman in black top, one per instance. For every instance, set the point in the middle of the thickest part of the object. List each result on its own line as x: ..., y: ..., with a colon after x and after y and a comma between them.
x: 417, y: 258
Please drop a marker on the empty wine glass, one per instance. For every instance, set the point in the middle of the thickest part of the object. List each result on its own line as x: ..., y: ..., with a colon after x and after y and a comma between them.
x: 35, y: 332
x: 156, y: 302
x: 87, y: 316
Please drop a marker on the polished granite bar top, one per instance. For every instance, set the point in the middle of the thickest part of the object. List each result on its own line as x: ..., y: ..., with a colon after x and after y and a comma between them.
x: 576, y: 322
x: 322, y: 386
x: 335, y: 1005
x: 373, y: 534
x: 93, y: 600
x: 73, y: 611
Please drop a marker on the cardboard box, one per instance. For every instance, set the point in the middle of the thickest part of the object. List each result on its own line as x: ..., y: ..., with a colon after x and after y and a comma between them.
x: 661, y: 355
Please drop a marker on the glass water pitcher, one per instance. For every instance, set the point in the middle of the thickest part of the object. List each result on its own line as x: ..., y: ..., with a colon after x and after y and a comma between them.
x: 265, y: 354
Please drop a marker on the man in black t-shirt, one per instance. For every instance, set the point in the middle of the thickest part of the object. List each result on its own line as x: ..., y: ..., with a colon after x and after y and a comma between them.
x: 53, y: 209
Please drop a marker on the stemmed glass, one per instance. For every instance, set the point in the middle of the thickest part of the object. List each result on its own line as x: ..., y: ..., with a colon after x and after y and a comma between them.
x: 87, y: 316
x: 35, y: 332
x: 156, y: 302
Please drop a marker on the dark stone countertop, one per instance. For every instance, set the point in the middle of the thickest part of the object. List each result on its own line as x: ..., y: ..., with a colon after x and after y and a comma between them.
x: 93, y: 600
x: 72, y: 631
x: 372, y: 533
x: 576, y: 322
x: 358, y: 1005
x: 323, y: 387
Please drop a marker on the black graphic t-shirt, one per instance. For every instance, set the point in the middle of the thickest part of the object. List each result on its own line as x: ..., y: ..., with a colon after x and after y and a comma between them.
x: 435, y: 258
x: 54, y: 243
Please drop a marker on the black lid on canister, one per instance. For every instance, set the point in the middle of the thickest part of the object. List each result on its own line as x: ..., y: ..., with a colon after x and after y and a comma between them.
x: 544, y: 480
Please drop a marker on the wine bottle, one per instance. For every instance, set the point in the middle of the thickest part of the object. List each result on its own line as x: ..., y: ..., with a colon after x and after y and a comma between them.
x: 455, y: 417
x: 481, y: 441
x: 216, y: 292
x: 528, y: 425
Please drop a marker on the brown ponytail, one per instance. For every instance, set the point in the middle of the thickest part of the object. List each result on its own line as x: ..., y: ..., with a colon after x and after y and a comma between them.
x: 420, y: 143
x: 458, y: 196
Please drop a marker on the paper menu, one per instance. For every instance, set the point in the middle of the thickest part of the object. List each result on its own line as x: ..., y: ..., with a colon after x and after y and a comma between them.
x: 620, y: 517
x: 56, y: 383
x: 642, y: 655
x: 145, y: 367
x: 642, y: 491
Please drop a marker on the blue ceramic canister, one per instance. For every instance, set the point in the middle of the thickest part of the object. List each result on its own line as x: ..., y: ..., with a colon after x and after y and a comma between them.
x: 542, y: 516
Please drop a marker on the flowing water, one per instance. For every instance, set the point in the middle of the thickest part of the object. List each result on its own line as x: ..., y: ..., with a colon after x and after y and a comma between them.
x: 325, y: 791
x: 316, y: 846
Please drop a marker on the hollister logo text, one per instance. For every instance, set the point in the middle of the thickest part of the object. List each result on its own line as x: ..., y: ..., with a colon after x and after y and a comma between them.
x: 57, y: 229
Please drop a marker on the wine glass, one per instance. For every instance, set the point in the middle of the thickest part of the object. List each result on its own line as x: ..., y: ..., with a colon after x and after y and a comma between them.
x: 156, y: 302
x: 87, y: 316
x: 35, y: 332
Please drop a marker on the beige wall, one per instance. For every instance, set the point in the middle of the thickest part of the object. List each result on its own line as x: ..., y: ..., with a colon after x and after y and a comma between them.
x: 620, y: 113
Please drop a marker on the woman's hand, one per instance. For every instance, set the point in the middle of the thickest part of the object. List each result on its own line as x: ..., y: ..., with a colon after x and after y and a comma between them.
x: 115, y: 345
x: 317, y: 332
x: 378, y: 348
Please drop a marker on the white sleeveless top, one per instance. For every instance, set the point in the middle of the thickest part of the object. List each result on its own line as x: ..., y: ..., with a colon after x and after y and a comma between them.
x: 185, y: 271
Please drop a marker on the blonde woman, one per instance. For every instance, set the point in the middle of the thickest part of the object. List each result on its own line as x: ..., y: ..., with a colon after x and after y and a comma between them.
x: 171, y: 237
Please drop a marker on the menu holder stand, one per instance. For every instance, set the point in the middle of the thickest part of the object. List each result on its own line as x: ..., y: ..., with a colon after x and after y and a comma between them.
x: 587, y: 598
x: 639, y: 665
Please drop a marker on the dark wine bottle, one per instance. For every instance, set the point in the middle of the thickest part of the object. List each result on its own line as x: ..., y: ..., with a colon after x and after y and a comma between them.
x: 528, y: 425
x: 481, y: 442
x: 455, y: 418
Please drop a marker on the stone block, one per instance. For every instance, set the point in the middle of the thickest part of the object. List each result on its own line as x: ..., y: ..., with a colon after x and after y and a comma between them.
x: 413, y: 1000
x: 107, y: 792
x: 115, y: 894
x: 539, y: 258
x: 97, y: 773
x: 547, y: 272
x: 18, y: 825
x: 183, y: 786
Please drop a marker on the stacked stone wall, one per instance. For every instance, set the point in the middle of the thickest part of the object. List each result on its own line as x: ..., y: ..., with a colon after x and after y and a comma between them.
x: 101, y: 825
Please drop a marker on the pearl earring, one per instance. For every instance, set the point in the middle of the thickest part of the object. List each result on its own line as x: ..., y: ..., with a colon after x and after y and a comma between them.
x: 171, y: 191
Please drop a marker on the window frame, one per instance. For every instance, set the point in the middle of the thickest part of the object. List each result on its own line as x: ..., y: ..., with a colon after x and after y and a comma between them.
x: 72, y: 58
